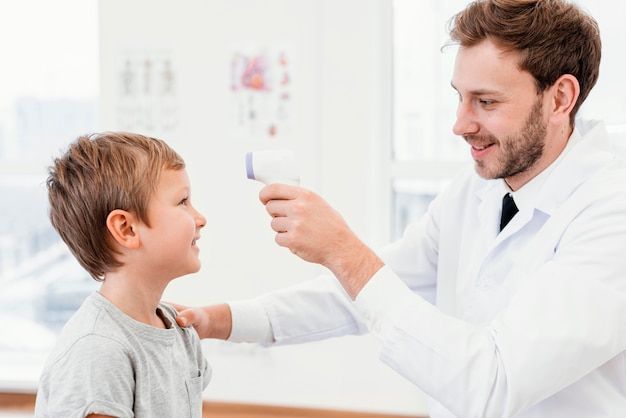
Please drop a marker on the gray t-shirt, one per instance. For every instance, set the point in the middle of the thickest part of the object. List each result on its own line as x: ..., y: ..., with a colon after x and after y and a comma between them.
x: 107, y: 363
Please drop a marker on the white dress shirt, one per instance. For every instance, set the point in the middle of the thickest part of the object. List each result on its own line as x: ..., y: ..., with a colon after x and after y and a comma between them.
x: 527, y: 322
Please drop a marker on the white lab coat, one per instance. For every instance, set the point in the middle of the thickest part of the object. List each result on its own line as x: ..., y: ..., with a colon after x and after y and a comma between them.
x: 530, y: 322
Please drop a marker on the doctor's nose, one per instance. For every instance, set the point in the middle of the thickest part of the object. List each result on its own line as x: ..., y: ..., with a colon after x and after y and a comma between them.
x: 465, y: 123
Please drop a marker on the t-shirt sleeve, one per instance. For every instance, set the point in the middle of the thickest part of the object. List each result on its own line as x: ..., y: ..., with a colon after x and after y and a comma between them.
x: 93, y: 376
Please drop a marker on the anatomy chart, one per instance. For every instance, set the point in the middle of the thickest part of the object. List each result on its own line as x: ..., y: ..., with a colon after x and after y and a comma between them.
x: 261, y: 92
x: 147, y: 92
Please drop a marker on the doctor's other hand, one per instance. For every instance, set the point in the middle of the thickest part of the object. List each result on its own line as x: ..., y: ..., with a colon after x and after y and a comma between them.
x: 213, y: 321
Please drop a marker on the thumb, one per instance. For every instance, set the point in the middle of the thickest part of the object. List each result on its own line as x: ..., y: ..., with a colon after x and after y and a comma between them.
x: 186, y: 317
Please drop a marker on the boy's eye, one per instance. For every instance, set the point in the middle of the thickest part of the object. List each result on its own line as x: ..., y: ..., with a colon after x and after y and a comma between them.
x: 183, y: 202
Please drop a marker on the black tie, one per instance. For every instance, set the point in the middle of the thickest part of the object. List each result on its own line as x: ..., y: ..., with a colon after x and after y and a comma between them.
x: 508, y: 210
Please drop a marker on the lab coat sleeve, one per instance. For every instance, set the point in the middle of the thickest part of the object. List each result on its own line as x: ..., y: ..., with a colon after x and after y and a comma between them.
x: 250, y: 322
x: 312, y: 310
x: 565, y: 320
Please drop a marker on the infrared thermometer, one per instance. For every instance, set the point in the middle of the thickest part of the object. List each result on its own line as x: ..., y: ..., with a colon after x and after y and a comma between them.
x: 273, y: 166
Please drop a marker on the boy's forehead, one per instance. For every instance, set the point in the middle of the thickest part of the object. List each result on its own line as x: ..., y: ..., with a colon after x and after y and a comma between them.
x: 174, y: 177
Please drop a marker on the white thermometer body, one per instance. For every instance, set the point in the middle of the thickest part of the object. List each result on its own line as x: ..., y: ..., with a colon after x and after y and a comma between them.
x: 274, y: 166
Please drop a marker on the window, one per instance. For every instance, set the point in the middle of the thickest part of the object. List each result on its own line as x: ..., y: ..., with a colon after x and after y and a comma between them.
x: 49, y: 96
x: 425, y: 152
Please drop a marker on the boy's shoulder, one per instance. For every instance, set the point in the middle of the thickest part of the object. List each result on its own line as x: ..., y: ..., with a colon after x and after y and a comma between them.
x: 95, y: 315
x: 82, y: 321
x: 90, y: 321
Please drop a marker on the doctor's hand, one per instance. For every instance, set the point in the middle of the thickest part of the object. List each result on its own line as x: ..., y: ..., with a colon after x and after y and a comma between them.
x: 214, y: 321
x: 311, y: 229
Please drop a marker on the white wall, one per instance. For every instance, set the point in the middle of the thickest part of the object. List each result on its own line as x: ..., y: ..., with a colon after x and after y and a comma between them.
x: 339, y: 119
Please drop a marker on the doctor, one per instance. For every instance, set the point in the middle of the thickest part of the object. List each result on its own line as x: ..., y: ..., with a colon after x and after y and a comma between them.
x: 527, y: 321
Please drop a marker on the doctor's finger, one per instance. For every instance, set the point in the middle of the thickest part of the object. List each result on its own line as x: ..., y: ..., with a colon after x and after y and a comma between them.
x: 279, y: 224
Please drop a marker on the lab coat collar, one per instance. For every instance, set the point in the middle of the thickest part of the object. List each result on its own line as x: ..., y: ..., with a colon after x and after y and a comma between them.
x: 588, y: 150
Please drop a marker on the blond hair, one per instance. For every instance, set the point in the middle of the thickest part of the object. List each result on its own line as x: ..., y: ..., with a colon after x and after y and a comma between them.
x: 97, y: 174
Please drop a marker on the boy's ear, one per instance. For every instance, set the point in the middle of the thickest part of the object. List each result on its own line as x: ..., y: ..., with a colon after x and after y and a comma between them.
x: 121, y: 225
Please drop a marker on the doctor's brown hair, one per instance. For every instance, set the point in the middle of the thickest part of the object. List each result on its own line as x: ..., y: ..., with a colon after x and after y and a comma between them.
x: 97, y: 174
x: 552, y: 37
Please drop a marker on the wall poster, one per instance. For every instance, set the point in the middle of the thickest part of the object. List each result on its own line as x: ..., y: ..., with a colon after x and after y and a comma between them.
x: 147, y: 92
x: 261, y: 91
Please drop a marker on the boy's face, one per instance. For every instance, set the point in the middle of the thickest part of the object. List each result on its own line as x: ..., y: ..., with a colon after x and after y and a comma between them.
x: 170, y: 242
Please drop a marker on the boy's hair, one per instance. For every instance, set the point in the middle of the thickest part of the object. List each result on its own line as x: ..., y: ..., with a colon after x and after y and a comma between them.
x: 553, y: 38
x: 97, y: 174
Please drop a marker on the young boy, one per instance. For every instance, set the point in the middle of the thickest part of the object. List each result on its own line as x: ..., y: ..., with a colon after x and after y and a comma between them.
x: 121, y: 202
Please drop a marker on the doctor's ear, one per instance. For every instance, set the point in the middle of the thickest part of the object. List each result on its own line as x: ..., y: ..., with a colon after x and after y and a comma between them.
x: 566, y: 91
x: 122, y: 226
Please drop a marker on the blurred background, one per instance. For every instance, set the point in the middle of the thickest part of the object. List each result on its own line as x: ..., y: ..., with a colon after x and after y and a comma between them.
x: 358, y: 88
